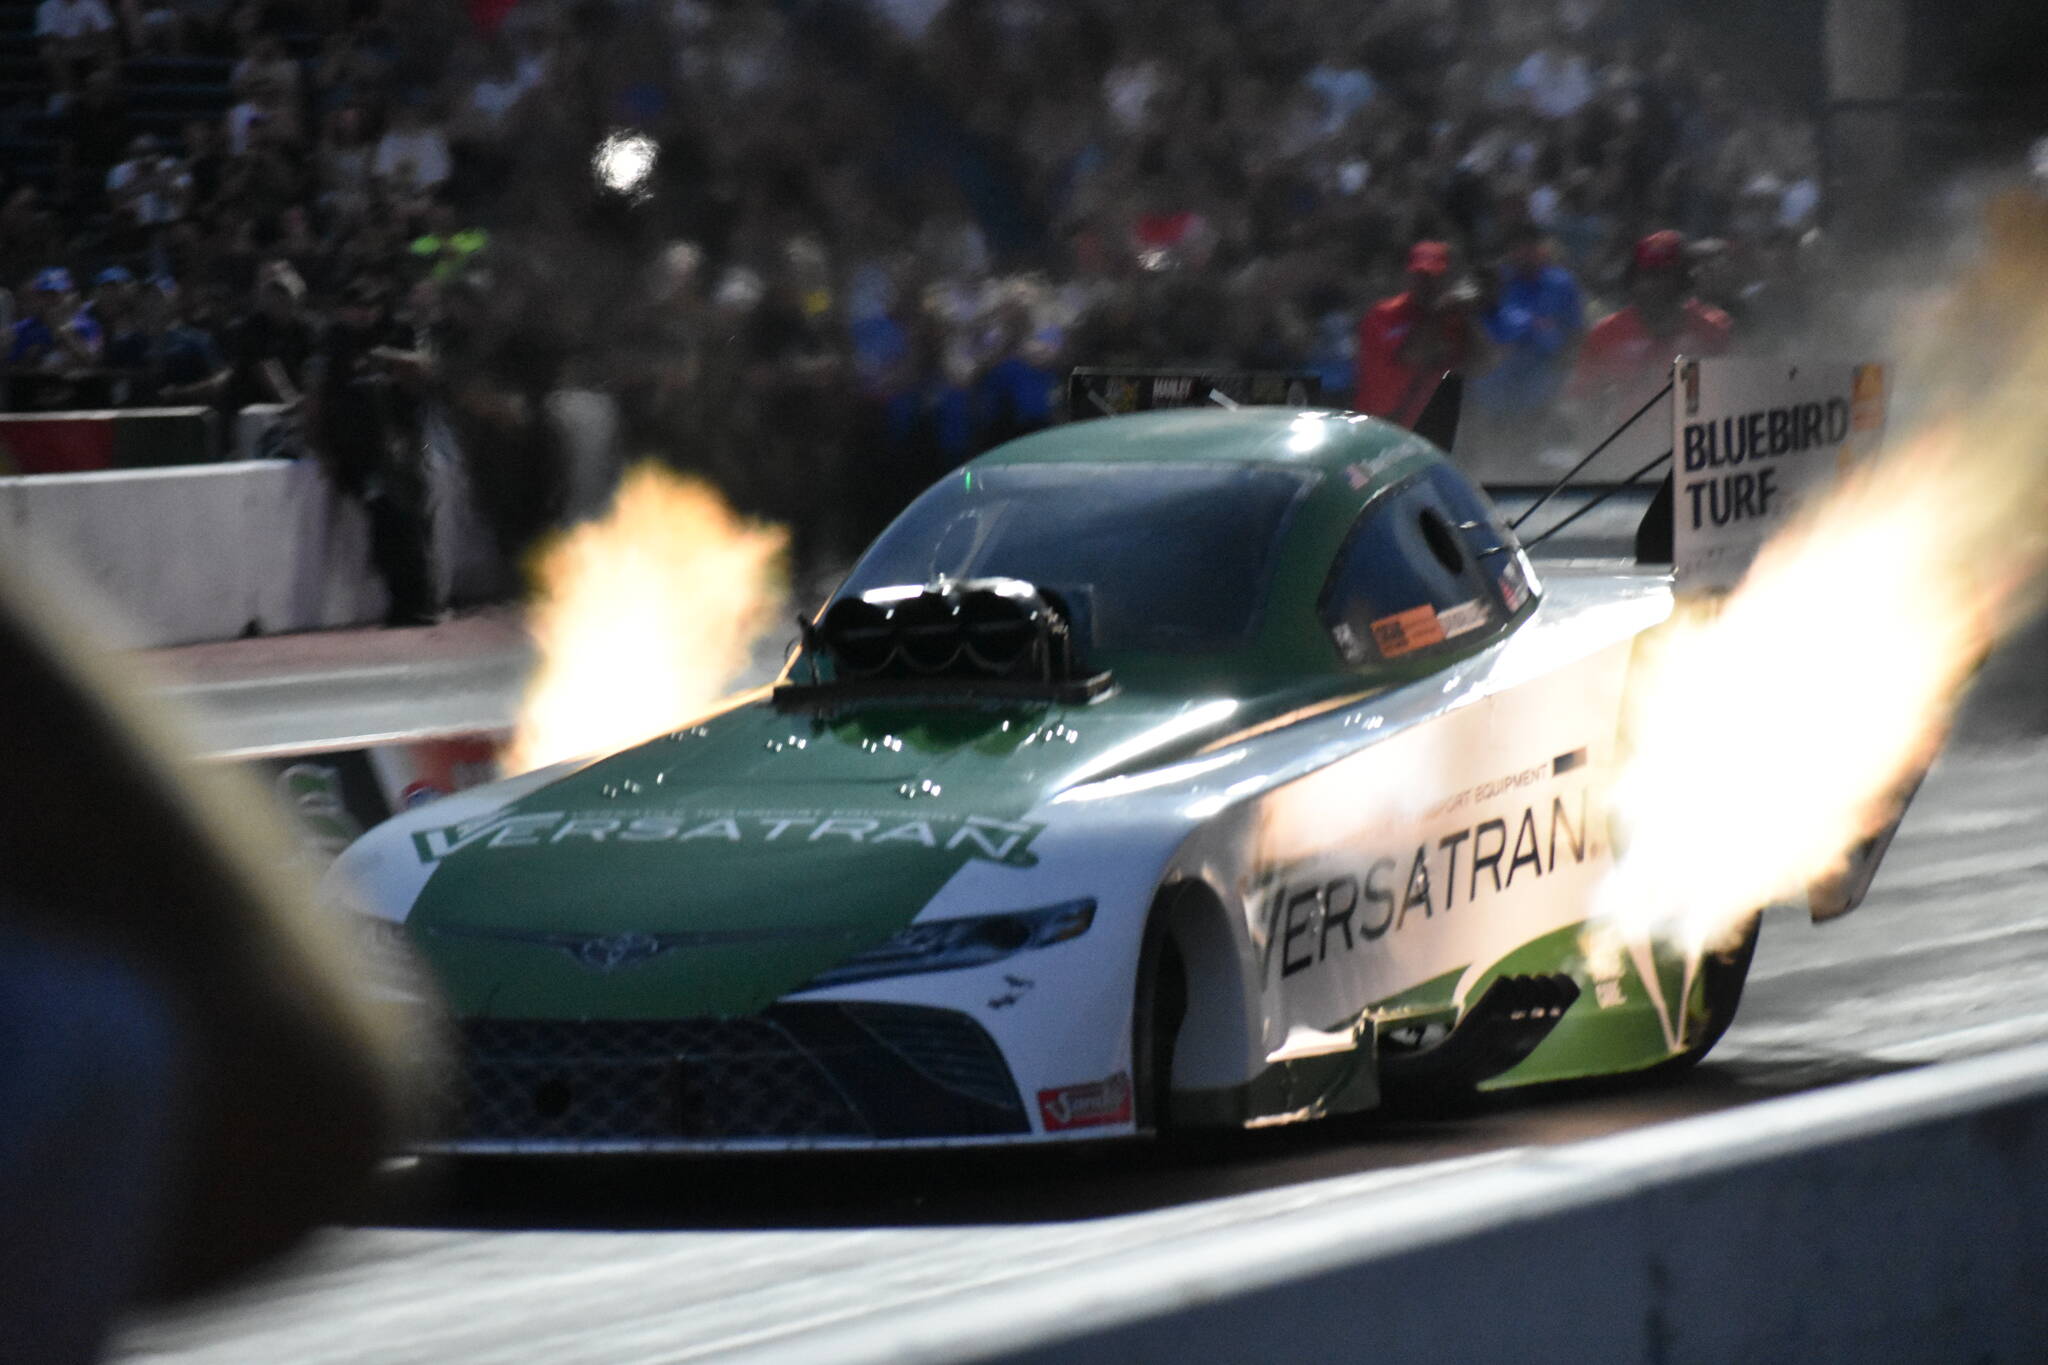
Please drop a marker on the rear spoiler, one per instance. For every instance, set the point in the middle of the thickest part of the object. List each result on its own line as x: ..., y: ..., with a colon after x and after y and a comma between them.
x: 1110, y: 391
x: 1753, y: 440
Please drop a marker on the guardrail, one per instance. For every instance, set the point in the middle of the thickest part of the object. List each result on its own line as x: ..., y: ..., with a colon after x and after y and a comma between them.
x: 1903, y: 1218
x: 113, y: 438
x: 205, y: 552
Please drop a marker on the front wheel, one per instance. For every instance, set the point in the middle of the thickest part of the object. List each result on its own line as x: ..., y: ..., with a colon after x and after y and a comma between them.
x: 1159, y: 1006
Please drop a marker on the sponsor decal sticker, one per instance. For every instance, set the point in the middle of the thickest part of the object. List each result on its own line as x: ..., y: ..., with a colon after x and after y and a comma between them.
x: 1763, y: 440
x: 1407, y: 631
x: 978, y: 836
x: 1867, y: 398
x: 1014, y: 990
x: 1514, y: 588
x: 1463, y: 618
x: 1086, y: 1106
x: 1311, y: 916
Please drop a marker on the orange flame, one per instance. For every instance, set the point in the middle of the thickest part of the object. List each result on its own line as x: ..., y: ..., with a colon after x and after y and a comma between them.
x: 644, y: 617
x: 1773, y: 734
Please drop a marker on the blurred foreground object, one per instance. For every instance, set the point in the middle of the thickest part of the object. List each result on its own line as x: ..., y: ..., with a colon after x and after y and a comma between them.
x: 189, y: 1080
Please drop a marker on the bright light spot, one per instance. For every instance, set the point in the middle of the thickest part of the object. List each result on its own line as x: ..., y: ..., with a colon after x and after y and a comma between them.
x: 1305, y: 434
x: 624, y: 160
x: 1772, y: 736
x: 644, y: 618
x: 1191, y: 721
x: 1359, y: 801
x: 1158, y: 777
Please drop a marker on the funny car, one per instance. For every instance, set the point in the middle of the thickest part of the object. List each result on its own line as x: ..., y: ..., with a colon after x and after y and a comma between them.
x: 1193, y: 768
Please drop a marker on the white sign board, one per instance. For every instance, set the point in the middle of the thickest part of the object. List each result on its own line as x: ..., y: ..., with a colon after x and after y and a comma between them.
x: 1754, y: 441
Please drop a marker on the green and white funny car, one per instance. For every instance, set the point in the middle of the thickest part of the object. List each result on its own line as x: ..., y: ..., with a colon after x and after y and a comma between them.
x: 1192, y: 768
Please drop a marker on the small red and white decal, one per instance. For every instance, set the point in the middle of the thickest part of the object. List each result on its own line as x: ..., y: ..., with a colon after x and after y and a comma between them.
x: 1086, y: 1106
x: 1514, y: 588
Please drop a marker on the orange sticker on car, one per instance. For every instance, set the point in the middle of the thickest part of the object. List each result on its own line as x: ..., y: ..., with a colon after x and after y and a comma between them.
x: 1407, y: 631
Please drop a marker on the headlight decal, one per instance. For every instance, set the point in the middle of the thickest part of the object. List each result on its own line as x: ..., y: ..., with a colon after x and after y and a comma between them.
x: 971, y: 941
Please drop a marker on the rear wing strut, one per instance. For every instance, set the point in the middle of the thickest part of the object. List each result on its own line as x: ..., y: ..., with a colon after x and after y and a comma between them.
x: 1653, y: 534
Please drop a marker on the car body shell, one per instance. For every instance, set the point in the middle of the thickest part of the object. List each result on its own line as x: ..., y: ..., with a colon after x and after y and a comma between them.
x: 1347, y: 847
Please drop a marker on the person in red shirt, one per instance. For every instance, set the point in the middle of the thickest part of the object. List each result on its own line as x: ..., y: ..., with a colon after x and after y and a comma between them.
x: 1406, y: 344
x: 1628, y: 354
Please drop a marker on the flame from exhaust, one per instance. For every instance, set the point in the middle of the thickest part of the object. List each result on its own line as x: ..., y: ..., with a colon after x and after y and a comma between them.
x: 1772, y: 735
x: 644, y: 617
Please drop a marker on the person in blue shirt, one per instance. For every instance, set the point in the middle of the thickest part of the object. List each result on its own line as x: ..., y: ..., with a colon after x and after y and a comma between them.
x: 1015, y: 392
x: 46, y: 337
x: 1535, y: 322
x: 180, y: 363
x: 113, y: 308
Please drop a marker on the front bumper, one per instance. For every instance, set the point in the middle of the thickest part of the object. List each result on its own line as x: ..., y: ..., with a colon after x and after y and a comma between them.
x: 811, y: 1074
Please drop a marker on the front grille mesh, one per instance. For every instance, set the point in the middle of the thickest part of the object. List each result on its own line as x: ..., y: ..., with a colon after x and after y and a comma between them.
x: 964, y: 1060
x: 797, y: 1072
x: 637, y: 1080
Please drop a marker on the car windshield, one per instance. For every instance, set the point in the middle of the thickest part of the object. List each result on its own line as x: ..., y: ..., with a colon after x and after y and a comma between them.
x: 1148, y: 556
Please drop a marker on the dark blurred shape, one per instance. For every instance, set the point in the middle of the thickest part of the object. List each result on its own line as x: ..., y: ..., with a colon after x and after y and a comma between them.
x: 364, y: 419
x: 1438, y: 423
x: 189, y: 1077
x: 1098, y: 391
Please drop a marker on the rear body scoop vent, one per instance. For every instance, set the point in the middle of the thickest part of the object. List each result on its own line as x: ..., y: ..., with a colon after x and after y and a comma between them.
x: 1495, y: 1035
x: 979, y: 638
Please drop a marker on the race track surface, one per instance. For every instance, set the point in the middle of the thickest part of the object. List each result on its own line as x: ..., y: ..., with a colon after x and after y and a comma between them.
x: 643, y: 1262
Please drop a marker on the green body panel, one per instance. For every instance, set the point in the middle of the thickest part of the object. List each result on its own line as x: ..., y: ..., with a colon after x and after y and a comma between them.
x: 1589, y: 1040
x: 741, y: 833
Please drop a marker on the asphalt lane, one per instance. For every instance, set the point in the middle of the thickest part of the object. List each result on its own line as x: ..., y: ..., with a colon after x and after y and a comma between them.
x: 680, y: 1260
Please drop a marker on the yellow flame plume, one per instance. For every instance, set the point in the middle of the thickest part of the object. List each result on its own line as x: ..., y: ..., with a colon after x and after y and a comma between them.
x: 1771, y: 735
x: 644, y: 617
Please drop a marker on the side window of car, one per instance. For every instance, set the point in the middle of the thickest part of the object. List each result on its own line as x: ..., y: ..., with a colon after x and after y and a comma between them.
x: 1407, y: 582
x: 1504, y: 568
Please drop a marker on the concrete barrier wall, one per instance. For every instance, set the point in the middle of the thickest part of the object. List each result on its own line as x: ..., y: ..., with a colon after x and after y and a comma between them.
x: 1900, y: 1219
x: 205, y: 552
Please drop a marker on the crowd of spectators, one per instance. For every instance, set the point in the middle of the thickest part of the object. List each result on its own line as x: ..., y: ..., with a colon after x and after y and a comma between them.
x: 823, y: 249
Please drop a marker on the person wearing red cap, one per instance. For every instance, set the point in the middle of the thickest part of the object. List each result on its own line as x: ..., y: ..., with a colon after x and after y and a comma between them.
x: 1628, y: 353
x: 1408, y: 342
